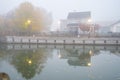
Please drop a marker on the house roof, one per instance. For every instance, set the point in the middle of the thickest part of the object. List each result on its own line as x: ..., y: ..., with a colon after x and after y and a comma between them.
x: 115, y: 23
x: 79, y: 15
x: 73, y: 24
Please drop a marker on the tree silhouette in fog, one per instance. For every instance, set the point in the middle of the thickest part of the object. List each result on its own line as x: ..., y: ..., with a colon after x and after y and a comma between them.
x: 1, y: 24
x: 27, y: 18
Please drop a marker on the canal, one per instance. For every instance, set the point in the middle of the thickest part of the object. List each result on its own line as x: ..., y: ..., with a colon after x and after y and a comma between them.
x: 43, y: 62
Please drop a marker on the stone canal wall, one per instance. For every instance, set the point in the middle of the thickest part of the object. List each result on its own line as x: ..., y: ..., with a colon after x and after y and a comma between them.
x: 2, y: 39
x: 61, y: 40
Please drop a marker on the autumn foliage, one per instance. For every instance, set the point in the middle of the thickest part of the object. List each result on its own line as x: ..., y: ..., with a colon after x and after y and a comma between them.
x: 16, y: 20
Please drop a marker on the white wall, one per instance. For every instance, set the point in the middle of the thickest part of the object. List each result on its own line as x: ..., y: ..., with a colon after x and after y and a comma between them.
x: 116, y: 28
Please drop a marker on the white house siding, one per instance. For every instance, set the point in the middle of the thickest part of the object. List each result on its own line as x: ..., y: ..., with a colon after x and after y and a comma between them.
x: 116, y: 28
x: 75, y: 18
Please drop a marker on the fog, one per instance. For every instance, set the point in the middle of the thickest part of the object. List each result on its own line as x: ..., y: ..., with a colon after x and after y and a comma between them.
x: 102, y: 10
x: 25, y: 20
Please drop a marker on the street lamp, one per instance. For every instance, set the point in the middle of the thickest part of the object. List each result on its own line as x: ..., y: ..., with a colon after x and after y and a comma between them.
x: 92, y: 27
x: 89, y: 22
x: 28, y: 23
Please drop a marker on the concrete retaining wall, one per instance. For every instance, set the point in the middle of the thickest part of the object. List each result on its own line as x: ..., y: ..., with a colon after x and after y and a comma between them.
x: 61, y: 40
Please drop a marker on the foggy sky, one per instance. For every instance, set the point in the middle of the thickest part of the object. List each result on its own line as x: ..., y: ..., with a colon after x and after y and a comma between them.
x: 102, y: 10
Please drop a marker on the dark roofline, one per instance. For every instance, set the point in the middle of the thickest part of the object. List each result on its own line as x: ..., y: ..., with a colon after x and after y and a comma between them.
x: 115, y: 23
x: 79, y: 15
x: 73, y: 24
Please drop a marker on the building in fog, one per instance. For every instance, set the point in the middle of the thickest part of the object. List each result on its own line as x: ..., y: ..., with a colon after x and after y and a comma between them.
x: 63, y: 26
x: 110, y: 30
x: 115, y: 28
x: 74, y: 19
x: 104, y: 30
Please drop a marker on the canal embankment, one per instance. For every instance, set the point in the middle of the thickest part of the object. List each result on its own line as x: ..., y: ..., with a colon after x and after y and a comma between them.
x: 59, y: 40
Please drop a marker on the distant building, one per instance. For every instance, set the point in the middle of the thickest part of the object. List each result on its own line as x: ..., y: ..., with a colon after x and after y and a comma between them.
x: 74, y: 19
x: 104, y: 30
x: 63, y: 26
x: 110, y: 30
x: 115, y: 28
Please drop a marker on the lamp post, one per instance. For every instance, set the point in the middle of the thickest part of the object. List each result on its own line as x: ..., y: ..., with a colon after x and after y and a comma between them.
x: 28, y: 25
x: 89, y: 21
x: 92, y: 28
x: 28, y: 21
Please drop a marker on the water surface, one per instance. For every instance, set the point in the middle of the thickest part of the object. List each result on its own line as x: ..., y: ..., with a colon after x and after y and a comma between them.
x: 50, y: 62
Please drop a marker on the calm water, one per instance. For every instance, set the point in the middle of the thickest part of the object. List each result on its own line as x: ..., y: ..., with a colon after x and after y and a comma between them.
x: 42, y: 62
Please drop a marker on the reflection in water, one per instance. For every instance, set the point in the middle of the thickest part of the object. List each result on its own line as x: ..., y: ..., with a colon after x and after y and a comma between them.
x: 33, y: 61
x: 28, y: 63
x: 76, y: 57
